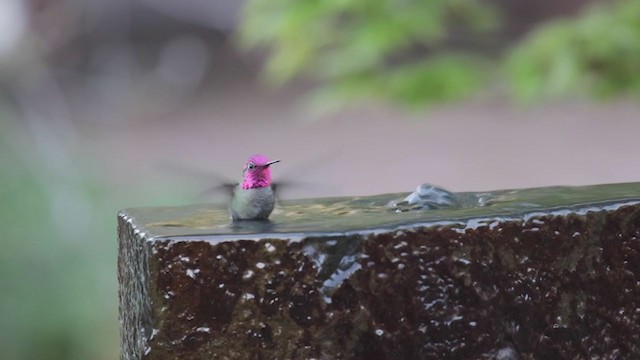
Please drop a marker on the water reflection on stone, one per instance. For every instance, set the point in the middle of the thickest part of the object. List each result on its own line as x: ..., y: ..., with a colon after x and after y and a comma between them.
x: 252, y: 226
x: 428, y: 204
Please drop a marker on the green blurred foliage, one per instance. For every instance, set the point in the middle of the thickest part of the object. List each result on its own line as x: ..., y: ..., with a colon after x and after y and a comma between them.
x: 58, y: 274
x: 362, y: 49
x: 58, y: 281
x: 597, y: 53
x: 400, y: 51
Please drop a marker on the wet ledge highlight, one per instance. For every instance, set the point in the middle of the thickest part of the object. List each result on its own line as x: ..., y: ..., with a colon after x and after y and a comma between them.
x: 533, y: 273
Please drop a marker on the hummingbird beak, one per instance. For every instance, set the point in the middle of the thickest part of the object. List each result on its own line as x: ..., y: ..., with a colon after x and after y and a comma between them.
x: 271, y: 163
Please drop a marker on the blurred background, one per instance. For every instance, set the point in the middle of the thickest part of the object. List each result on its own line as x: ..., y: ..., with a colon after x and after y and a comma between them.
x: 109, y: 104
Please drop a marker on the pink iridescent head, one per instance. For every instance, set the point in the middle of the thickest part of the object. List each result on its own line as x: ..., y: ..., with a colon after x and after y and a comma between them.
x: 257, y: 172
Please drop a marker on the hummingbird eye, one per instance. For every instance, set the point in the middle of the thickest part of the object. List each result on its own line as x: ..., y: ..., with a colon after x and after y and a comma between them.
x: 250, y: 166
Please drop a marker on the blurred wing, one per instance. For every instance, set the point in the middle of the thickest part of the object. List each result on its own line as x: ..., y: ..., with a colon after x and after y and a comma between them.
x: 223, y: 186
x: 193, y: 172
x: 284, y: 189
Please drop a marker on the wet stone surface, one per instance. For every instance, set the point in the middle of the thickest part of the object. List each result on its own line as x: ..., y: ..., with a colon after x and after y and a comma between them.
x: 554, y: 282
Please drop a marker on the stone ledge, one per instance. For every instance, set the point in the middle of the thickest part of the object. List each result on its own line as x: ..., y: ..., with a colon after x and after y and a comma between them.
x: 549, y: 283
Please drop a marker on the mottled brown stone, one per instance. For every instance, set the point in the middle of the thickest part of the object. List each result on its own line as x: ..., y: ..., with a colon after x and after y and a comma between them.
x: 556, y: 284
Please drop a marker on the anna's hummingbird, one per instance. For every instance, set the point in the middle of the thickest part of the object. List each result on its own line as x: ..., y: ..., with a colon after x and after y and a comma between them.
x: 254, y: 198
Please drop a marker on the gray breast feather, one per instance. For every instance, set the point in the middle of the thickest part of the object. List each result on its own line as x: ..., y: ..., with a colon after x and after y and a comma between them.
x: 252, y: 204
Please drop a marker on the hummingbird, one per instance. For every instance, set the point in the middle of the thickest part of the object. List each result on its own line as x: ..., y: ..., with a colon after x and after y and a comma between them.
x: 254, y: 197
